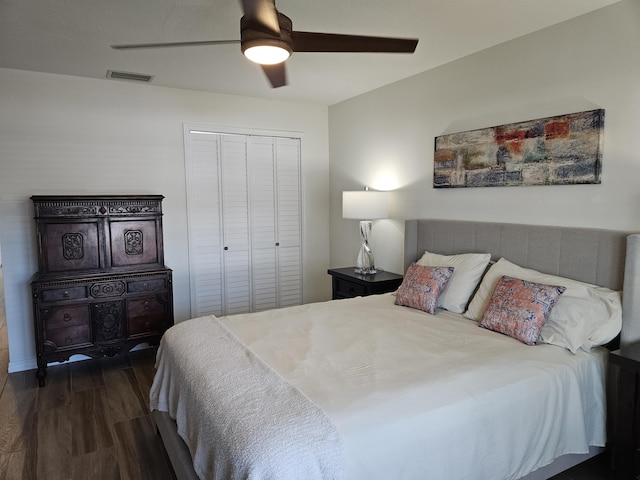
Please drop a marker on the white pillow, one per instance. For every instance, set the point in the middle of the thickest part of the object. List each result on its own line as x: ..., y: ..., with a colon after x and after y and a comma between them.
x: 467, y: 271
x: 585, y: 315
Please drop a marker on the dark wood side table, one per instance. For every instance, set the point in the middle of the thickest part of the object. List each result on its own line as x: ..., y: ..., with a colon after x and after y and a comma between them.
x: 348, y: 284
x: 626, y: 447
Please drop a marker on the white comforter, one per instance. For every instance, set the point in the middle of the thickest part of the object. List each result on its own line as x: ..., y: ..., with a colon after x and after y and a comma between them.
x: 240, y: 419
x: 416, y: 396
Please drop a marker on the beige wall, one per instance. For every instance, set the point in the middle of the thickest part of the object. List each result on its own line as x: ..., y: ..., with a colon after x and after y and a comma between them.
x: 384, y: 139
x: 70, y: 135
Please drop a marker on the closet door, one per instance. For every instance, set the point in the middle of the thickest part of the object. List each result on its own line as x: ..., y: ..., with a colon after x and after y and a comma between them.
x: 289, y: 222
x: 244, y: 222
x: 218, y: 224
x: 276, y: 247
x: 264, y: 237
x: 205, y: 223
x: 235, y: 224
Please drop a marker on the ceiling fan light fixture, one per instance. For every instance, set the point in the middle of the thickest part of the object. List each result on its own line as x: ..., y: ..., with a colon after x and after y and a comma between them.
x: 268, y: 39
x: 267, y: 54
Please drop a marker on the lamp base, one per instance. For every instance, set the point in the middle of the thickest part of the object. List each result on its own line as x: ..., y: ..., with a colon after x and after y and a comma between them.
x: 362, y: 271
x: 365, y: 264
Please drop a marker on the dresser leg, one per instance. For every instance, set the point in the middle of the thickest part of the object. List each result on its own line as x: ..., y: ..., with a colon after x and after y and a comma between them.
x: 41, y: 375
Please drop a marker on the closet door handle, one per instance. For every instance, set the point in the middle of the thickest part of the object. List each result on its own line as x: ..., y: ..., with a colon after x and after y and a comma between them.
x: 226, y: 248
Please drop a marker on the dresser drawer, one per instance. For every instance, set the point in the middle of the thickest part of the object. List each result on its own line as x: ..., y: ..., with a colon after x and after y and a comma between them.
x: 147, y: 285
x: 68, y: 316
x: 146, y: 315
x: 59, y: 294
x: 68, y: 336
x: 107, y: 289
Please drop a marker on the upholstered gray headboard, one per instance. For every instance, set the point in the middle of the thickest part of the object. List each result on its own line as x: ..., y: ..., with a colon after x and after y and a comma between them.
x: 603, y: 257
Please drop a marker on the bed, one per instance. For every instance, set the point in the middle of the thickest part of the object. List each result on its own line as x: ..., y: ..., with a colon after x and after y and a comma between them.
x: 364, y: 388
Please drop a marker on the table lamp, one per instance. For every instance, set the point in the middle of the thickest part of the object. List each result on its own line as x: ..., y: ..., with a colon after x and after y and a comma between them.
x: 365, y: 205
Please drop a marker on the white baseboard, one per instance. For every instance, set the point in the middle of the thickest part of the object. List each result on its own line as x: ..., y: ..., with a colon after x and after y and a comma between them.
x: 22, y: 365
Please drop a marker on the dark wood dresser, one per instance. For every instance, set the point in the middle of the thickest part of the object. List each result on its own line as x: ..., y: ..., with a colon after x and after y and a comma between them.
x: 102, y: 286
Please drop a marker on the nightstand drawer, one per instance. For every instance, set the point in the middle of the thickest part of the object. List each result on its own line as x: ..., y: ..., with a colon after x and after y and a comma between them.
x: 344, y: 288
x: 348, y: 284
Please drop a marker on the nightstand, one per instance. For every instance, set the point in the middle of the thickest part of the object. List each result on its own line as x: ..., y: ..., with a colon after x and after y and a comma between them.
x: 348, y: 284
x: 626, y: 454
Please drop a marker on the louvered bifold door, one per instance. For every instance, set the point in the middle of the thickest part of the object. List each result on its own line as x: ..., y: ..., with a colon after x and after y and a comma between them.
x: 235, y: 224
x: 218, y: 224
x: 205, y: 228
x: 274, y: 172
x: 244, y: 208
x: 289, y: 221
x: 264, y: 240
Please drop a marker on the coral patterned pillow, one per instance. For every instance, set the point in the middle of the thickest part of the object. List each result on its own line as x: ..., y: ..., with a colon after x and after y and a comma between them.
x: 520, y: 308
x: 422, y: 286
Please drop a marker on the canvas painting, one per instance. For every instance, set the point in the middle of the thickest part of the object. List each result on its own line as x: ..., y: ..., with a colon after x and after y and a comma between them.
x: 561, y: 150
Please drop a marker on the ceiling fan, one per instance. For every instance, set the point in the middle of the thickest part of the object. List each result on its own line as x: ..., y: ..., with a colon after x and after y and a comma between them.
x: 268, y: 38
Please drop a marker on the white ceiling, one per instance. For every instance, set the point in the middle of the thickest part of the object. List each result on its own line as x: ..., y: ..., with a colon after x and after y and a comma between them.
x: 74, y: 36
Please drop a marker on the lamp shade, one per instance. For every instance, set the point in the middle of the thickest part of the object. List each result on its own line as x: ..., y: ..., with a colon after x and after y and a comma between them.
x: 365, y: 205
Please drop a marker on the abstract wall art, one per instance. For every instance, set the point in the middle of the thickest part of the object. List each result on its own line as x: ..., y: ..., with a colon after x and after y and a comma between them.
x: 561, y: 150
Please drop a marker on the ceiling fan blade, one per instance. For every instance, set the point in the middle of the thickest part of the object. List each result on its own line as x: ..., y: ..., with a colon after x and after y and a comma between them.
x: 133, y: 46
x: 277, y: 74
x: 261, y: 15
x: 332, y: 42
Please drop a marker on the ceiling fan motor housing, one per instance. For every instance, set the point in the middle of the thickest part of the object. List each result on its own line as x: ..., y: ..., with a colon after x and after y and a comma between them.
x: 253, y: 35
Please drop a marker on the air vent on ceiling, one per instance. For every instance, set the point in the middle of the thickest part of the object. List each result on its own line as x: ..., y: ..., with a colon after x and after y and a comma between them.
x: 136, y: 77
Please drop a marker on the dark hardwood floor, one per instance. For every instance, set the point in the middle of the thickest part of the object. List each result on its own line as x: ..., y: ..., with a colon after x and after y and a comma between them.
x: 91, y: 421
x: 599, y: 468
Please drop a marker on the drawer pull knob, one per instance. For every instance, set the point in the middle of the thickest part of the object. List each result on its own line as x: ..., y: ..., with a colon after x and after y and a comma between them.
x: 68, y: 341
x: 66, y: 294
x: 277, y: 244
x: 226, y: 248
x: 147, y: 305
x: 145, y: 286
x: 66, y: 317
